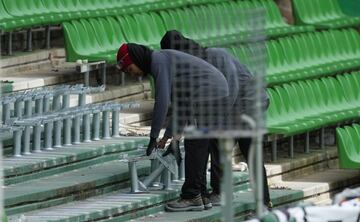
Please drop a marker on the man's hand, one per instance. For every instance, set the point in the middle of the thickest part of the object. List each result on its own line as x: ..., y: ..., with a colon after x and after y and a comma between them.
x: 151, y: 146
x: 161, y: 144
x: 174, y: 149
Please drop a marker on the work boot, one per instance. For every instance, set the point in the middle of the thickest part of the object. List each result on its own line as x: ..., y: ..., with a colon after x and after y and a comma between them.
x: 207, y: 203
x: 215, y: 199
x: 194, y: 204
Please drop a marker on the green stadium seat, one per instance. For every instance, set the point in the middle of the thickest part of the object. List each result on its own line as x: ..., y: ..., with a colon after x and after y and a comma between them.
x: 144, y: 28
x: 83, y: 42
x: 310, y: 55
x: 348, y: 142
x: 6, y: 21
x: 211, y: 24
x: 322, y: 14
x: 308, y: 105
x: 18, y: 14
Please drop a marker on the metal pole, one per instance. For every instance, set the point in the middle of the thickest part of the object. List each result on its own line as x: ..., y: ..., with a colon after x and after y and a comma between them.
x: 154, y: 175
x: 115, y: 124
x: 259, y: 175
x: 86, y: 128
x: 175, y: 176
x: 17, y: 142
x: 10, y: 44
x: 133, y: 177
x: 48, y: 37
x: 87, y: 77
x: 57, y: 133
x: 76, y: 130
x: 39, y: 106
x: 154, y: 166
x: 27, y: 132
x: 18, y: 108
x: 105, y: 124
x: 103, y: 72
x: 48, y: 135
x: 227, y: 182
x: 274, y: 150
x: 56, y: 103
x: 6, y: 112
x: 29, y: 40
x: 307, y: 142
x: 37, y: 138
x: 291, y: 150
x: 37, y: 128
x: 322, y: 138
x: 166, y: 179
x: 67, y: 121
x: 46, y: 104
x: 96, y: 126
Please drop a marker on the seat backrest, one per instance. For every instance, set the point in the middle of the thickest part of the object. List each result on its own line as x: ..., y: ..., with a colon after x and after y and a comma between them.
x: 4, y: 15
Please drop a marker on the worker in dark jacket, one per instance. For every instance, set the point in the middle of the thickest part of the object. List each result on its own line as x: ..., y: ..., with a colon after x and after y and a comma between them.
x: 241, y: 97
x: 204, y: 84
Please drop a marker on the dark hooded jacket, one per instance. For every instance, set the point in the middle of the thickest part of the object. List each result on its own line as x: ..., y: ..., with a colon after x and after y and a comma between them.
x: 196, y: 80
x: 240, y: 80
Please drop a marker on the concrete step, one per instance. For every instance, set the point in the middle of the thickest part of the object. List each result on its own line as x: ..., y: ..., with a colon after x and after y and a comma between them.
x: 120, y: 203
x: 243, y: 203
x: 108, y: 205
x: 67, y: 158
x: 70, y: 186
x: 303, y: 189
x: 36, y: 69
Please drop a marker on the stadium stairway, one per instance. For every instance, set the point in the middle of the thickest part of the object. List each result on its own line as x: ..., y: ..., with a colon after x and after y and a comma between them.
x: 42, y: 187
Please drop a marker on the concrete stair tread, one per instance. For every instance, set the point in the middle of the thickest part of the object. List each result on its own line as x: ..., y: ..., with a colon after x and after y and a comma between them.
x: 67, y: 183
x: 299, y: 189
x: 243, y: 201
x: 16, y: 166
x: 301, y: 160
x: 323, y: 181
x: 112, y: 204
x: 117, y: 93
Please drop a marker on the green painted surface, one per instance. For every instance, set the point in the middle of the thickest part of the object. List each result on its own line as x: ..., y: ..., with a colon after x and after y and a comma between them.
x: 350, y: 7
x: 243, y: 204
x: 127, y: 207
x: 65, y: 184
x: 65, y: 159
x: 61, y: 156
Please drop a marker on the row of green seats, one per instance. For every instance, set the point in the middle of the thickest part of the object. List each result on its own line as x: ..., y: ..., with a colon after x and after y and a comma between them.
x: 308, y: 105
x: 348, y: 143
x: 17, y: 14
x: 308, y: 55
x: 211, y: 24
x: 322, y: 14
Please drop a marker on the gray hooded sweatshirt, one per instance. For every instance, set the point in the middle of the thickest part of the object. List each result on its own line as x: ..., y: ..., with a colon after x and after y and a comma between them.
x: 198, y: 80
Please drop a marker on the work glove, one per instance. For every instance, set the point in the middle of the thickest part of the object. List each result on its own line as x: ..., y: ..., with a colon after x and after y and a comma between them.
x: 174, y: 149
x: 161, y: 144
x: 151, y: 146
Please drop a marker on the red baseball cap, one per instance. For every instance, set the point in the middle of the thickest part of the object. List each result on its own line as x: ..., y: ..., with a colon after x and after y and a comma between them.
x: 123, y: 58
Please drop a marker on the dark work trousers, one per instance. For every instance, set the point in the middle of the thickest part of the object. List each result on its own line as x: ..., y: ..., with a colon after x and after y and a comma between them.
x: 196, y: 157
x: 216, y: 171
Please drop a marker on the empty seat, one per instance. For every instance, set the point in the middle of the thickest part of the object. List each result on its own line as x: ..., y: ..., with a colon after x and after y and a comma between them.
x: 311, y: 104
x: 310, y: 55
x: 348, y: 143
x: 17, y: 14
x: 322, y: 14
x: 83, y: 39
